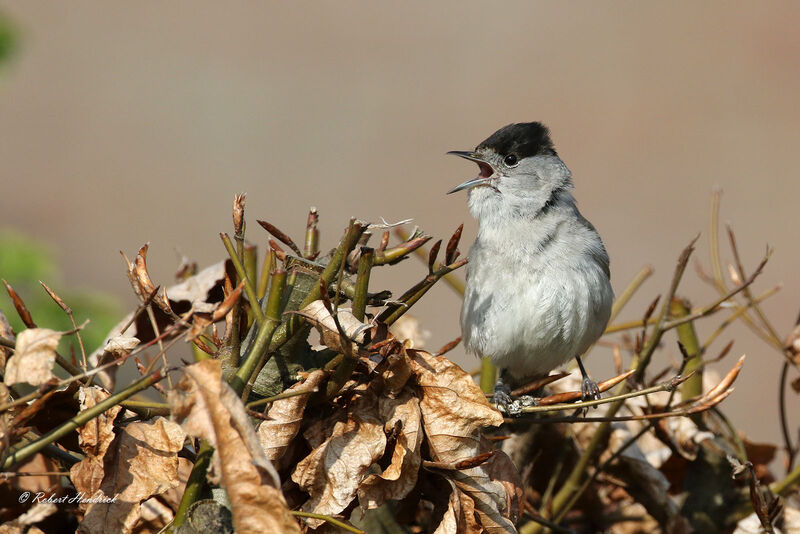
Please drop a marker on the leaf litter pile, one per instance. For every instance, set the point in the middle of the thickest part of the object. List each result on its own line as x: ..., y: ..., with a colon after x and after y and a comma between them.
x: 310, y: 406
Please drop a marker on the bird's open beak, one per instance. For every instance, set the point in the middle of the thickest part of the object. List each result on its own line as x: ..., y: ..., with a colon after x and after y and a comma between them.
x: 485, y: 176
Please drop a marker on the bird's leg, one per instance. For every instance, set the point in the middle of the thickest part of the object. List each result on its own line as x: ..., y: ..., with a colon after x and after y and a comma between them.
x: 589, y: 389
x: 502, y: 397
x: 502, y: 391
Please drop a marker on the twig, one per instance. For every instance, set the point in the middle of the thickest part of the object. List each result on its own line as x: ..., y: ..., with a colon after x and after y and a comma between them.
x: 143, y: 306
x: 161, y: 350
x: 448, y: 347
x: 717, y: 279
x: 536, y: 384
x: 746, y: 291
x: 282, y: 237
x: 311, y: 243
x: 668, y: 385
x: 328, y: 519
x: 19, y: 305
x: 269, y: 337
x: 63, y: 305
x: 711, y: 308
x: 410, y: 297
x: 738, y: 313
x: 455, y: 283
x: 362, y: 283
x: 629, y: 291
x: 279, y: 396
x: 488, y: 375
x: 787, y: 439
x: 252, y: 296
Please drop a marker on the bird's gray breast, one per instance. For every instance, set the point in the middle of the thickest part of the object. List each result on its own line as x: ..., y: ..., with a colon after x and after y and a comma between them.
x: 534, y: 304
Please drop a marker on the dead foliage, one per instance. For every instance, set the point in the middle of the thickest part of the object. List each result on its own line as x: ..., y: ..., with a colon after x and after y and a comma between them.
x: 309, y: 407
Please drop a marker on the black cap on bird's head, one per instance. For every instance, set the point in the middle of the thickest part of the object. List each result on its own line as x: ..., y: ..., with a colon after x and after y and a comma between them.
x: 525, y: 139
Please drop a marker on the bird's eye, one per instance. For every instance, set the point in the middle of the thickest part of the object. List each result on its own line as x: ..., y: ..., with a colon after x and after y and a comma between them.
x: 510, y: 160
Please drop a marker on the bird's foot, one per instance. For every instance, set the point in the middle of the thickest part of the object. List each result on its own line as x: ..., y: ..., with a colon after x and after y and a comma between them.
x: 502, y: 396
x: 589, y: 390
x: 513, y: 407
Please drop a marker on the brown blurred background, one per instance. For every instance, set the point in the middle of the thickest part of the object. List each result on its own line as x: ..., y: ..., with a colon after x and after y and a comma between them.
x: 124, y: 123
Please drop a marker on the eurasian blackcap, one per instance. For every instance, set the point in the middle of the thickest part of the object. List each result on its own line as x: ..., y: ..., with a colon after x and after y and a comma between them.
x: 538, y: 291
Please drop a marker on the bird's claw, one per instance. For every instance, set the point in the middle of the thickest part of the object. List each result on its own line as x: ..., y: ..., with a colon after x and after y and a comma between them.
x: 589, y: 390
x: 502, y: 396
x: 513, y: 407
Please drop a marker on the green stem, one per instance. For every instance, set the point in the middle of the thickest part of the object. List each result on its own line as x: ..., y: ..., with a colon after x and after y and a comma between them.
x: 258, y: 353
x: 693, y: 387
x: 266, y: 269
x: 362, y: 282
x: 248, y: 255
x: 488, y: 375
x: 333, y: 521
x: 410, y: 297
x: 199, y: 354
x: 146, y: 409
x: 788, y: 484
x: 346, y: 245
x: 273, y: 312
x: 248, y: 283
x: 196, y: 482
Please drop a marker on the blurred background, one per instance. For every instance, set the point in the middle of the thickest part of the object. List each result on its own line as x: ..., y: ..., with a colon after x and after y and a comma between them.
x: 124, y: 123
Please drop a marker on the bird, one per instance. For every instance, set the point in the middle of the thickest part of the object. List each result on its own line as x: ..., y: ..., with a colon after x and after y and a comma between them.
x: 538, y: 290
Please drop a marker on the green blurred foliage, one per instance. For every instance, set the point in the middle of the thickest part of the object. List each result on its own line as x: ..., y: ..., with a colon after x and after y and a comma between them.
x: 23, y: 263
x: 8, y: 39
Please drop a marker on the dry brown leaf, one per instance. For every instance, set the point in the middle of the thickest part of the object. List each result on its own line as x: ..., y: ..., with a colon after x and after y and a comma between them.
x: 646, y: 484
x: 333, y: 471
x: 501, y: 469
x: 141, y: 462
x: 318, y: 315
x: 49, y: 483
x: 640, y: 521
x: 114, y: 348
x: 453, y: 516
x: 199, y: 292
x: 173, y: 496
x: 399, y: 478
x: 155, y: 515
x: 121, y: 345
x: 792, y: 344
x: 408, y: 327
x: 397, y: 372
x: 454, y: 410
x: 6, y: 418
x: 138, y: 272
x: 322, y: 429
x: 22, y: 524
x: 94, y: 438
x: 33, y: 357
x: 285, y: 417
x: 6, y: 332
x: 208, y: 408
